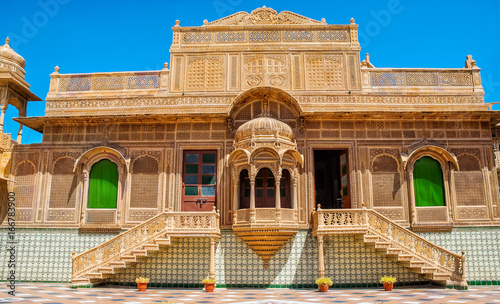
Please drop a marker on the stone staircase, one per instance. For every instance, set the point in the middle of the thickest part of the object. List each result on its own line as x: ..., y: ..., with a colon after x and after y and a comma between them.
x: 138, y: 243
x: 394, y: 242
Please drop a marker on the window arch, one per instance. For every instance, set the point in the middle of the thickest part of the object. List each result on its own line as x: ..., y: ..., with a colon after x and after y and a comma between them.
x: 103, y: 186
x: 285, y: 191
x: 428, y: 183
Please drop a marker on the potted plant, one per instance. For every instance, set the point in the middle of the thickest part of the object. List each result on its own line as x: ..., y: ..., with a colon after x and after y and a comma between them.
x: 142, y: 283
x: 324, y: 283
x: 209, y: 284
x: 388, y: 282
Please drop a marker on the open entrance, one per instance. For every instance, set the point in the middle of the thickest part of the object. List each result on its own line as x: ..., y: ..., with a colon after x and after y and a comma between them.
x: 331, y: 179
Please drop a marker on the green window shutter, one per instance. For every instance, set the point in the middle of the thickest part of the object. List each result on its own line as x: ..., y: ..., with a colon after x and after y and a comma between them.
x: 428, y: 182
x: 103, y: 186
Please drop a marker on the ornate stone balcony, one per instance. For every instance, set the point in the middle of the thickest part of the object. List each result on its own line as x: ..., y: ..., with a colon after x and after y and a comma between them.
x: 265, y: 230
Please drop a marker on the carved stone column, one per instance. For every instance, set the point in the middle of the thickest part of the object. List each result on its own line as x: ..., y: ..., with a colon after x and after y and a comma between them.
x: 411, y: 204
x: 277, y: 199
x: 294, y: 194
x: 236, y: 197
x: 22, y: 113
x: 212, y: 258
x: 321, y: 259
x: 252, y: 199
x: 2, y: 117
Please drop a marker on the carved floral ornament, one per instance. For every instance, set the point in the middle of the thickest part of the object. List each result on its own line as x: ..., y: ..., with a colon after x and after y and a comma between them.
x: 264, y: 15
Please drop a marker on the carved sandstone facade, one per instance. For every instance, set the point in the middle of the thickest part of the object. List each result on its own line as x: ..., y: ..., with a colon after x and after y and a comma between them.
x: 264, y: 116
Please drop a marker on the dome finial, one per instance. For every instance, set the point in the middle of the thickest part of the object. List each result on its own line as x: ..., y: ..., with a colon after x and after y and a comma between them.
x: 7, y: 40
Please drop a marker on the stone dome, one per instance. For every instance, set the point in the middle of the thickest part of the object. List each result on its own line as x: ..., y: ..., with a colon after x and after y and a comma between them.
x: 10, y: 57
x: 264, y: 127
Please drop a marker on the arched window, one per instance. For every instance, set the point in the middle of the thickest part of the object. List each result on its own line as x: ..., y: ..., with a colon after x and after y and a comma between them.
x: 428, y: 182
x: 285, y: 197
x: 264, y: 189
x: 244, y: 190
x: 103, y: 187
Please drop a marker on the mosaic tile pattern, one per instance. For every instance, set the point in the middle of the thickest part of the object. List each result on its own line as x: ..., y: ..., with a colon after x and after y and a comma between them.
x: 237, y: 265
x: 481, y: 246
x: 45, y: 255
x: 348, y: 262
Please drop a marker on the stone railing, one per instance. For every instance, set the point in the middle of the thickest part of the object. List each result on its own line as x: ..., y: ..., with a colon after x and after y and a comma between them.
x: 118, y: 81
x: 265, y: 216
x: 175, y: 224
x: 446, y: 79
x: 359, y: 220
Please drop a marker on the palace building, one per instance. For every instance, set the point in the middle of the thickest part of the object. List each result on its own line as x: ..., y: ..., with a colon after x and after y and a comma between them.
x: 267, y: 153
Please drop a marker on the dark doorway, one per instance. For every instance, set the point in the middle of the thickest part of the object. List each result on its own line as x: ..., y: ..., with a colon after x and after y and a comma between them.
x: 331, y: 179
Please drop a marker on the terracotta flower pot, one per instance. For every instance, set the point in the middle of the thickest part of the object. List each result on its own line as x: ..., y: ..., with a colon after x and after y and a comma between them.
x: 209, y: 287
x: 323, y: 288
x: 142, y: 286
x: 388, y: 286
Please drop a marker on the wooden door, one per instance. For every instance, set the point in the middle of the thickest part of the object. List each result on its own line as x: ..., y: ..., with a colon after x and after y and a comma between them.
x: 344, y: 180
x: 199, y: 176
x: 265, y: 189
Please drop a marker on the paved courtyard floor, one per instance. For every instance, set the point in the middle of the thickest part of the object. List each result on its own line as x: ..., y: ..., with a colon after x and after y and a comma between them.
x: 54, y: 293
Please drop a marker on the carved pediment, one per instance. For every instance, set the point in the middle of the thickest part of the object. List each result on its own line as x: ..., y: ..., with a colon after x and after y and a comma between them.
x: 265, y: 15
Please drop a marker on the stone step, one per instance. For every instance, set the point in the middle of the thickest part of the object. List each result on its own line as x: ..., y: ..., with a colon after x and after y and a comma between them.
x: 428, y: 269
x: 163, y: 241
x: 108, y: 270
x: 118, y: 265
x: 405, y: 257
x: 95, y: 275
x: 440, y: 277
x: 128, y: 258
x: 151, y: 247
x: 393, y: 251
x: 140, y: 253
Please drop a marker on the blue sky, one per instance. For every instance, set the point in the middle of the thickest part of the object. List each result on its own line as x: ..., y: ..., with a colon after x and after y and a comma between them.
x: 83, y: 36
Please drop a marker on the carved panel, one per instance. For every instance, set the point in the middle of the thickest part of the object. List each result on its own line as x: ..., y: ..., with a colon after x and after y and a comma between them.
x: 24, y: 187
x: 205, y: 73
x: 325, y: 72
x: 265, y: 70
x: 100, y: 216
x: 63, y: 184
x: 141, y: 215
x: 432, y: 214
x: 472, y: 213
x: 469, y: 188
x: 395, y: 214
x: 144, y: 183
x: 61, y: 215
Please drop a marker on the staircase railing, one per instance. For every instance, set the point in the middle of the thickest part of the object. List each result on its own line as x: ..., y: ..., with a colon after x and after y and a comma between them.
x: 333, y: 221
x: 172, y: 223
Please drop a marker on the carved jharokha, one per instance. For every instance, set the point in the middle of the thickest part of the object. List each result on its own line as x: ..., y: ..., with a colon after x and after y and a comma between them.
x: 265, y: 165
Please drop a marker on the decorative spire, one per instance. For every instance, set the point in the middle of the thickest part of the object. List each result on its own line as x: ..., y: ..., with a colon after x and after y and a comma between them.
x: 470, y: 63
x: 366, y: 63
x: 7, y: 42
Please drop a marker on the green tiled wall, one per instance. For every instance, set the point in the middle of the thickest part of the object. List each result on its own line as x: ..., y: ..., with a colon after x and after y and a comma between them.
x: 45, y: 255
x: 186, y: 264
x: 482, y: 251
